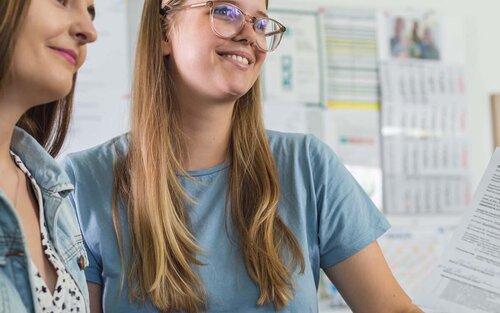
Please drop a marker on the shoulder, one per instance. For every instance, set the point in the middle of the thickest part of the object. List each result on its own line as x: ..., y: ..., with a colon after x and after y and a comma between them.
x: 96, y: 161
x: 300, y: 150
x: 280, y: 141
x: 107, y: 151
x: 304, y: 161
x: 92, y: 174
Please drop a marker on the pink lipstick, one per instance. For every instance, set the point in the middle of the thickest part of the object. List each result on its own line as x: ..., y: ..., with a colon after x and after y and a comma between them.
x: 68, y: 54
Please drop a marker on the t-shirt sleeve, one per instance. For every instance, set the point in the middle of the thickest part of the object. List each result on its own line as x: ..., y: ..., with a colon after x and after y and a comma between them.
x: 94, y: 270
x: 348, y: 221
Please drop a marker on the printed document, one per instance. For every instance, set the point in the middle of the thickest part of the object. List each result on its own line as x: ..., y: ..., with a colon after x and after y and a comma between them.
x: 467, y: 278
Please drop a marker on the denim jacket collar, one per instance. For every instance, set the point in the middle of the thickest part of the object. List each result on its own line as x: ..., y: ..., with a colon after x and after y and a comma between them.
x: 50, y: 177
x: 61, y: 221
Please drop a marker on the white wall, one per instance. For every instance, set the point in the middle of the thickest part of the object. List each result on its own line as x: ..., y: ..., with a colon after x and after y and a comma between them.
x: 482, y: 33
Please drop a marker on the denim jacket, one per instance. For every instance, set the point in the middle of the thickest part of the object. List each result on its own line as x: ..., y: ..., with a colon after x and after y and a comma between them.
x: 16, y: 285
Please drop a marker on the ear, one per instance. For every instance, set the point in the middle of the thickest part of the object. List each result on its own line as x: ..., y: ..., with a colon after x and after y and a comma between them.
x: 166, y: 47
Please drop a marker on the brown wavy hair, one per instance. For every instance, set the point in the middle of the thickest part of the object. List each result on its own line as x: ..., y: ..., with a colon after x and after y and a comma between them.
x: 48, y: 123
x: 163, y: 249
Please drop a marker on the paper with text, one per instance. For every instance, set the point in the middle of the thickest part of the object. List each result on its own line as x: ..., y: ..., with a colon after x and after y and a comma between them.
x: 467, y: 278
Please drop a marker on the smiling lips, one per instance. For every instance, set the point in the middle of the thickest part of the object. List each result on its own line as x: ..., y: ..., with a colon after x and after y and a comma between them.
x: 68, y: 54
x: 240, y: 57
x: 237, y: 58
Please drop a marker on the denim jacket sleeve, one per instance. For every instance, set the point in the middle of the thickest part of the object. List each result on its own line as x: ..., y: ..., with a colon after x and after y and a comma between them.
x: 10, y: 300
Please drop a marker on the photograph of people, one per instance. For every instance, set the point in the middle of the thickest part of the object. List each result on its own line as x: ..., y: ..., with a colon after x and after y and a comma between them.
x: 199, y: 208
x: 413, y: 37
x: 399, y: 43
x: 42, y: 45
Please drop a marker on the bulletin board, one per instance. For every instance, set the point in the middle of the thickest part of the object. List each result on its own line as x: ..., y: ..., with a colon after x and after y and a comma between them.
x: 392, y: 109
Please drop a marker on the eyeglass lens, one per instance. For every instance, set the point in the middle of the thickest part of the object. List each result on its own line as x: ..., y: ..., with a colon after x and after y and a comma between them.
x: 228, y: 20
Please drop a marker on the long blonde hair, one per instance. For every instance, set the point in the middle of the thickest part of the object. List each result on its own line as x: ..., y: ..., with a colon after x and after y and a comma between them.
x: 163, y: 248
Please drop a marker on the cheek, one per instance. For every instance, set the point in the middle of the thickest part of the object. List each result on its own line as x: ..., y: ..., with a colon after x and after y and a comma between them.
x: 260, y: 58
x: 192, y: 56
x: 23, y: 63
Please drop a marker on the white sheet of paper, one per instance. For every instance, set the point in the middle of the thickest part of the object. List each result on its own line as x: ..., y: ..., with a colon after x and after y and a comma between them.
x: 290, y: 118
x: 467, y: 278
x: 354, y: 135
x: 425, y: 151
x: 293, y: 118
x: 413, y: 246
x: 292, y: 73
x: 351, y: 58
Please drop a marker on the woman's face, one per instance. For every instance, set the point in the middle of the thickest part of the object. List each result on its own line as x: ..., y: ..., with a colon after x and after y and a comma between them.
x: 50, y: 48
x: 206, y: 65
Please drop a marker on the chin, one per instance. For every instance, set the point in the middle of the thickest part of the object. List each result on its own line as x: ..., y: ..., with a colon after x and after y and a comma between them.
x: 239, y: 92
x: 57, y: 92
x: 233, y: 96
x: 64, y: 85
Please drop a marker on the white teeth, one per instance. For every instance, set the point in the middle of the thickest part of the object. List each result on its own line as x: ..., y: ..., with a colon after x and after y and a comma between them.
x: 238, y: 58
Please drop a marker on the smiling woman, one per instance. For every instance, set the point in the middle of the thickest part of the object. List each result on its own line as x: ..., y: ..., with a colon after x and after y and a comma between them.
x: 199, y: 208
x: 40, y: 243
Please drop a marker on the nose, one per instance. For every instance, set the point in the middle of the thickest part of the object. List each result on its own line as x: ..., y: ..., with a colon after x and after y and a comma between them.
x: 83, y: 29
x: 247, y: 34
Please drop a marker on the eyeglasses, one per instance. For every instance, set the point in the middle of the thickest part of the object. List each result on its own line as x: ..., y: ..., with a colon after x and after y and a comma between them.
x: 227, y: 21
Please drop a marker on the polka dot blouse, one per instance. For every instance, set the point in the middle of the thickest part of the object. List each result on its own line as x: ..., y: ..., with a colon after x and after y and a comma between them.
x: 66, y: 296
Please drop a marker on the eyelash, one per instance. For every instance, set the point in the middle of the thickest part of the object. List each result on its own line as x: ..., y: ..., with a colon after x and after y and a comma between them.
x: 90, y: 9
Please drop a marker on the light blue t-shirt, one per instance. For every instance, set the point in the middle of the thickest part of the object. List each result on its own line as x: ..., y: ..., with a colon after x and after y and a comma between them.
x: 329, y: 213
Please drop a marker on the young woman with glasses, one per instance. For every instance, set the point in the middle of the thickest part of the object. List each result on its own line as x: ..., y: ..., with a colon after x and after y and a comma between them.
x: 198, y: 208
x: 42, y: 45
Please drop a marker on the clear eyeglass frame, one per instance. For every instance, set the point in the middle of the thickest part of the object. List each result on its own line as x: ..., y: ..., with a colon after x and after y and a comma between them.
x: 272, y: 38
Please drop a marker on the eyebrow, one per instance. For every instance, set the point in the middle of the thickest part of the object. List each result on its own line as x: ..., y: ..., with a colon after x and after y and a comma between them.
x: 259, y: 12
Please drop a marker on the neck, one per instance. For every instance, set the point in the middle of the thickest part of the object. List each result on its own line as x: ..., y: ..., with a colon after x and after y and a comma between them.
x: 10, y: 113
x: 207, y: 128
